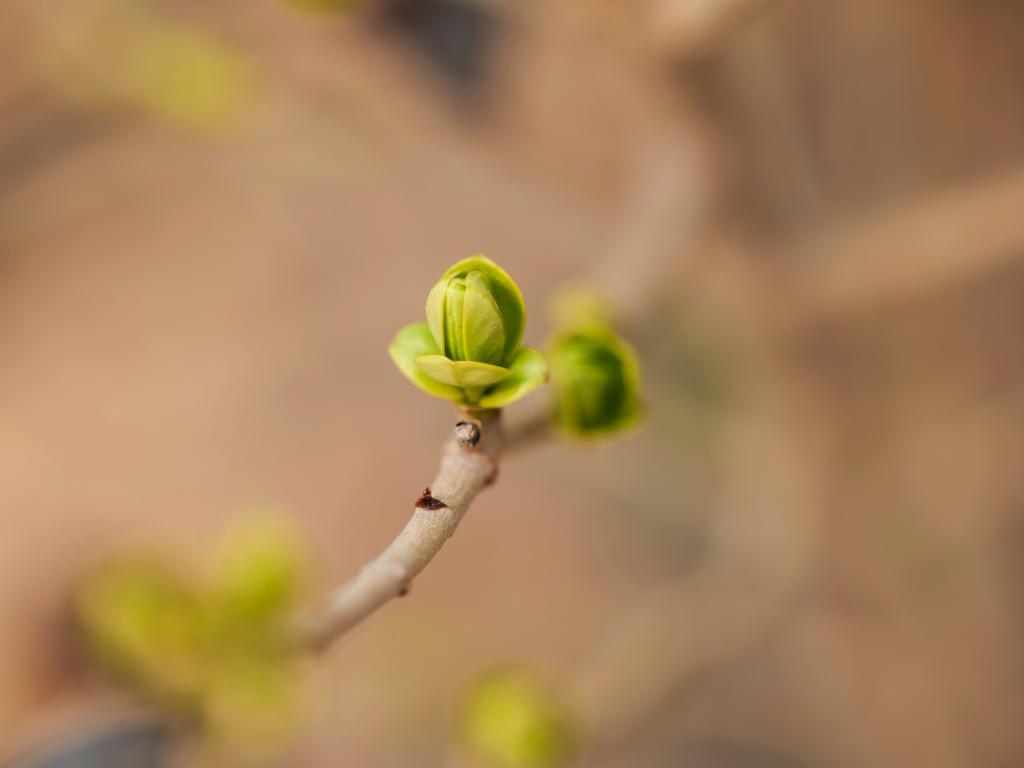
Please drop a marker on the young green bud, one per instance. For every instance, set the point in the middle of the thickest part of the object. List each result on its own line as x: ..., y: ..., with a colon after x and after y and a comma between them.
x: 211, y: 649
x: 596, y: 382
x: 512, y: 719
x: 465, y: 320
x: 468, y: 350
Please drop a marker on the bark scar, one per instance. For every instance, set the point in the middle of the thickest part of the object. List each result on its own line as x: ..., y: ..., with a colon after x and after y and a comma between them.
x: 467, y: 433
x: 492, y: 478
x: 426, y: 501
x: 404, y: 585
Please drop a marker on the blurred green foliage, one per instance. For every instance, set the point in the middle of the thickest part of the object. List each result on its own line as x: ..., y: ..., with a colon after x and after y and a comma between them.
x: 595, y: 373
x: 188, y: 77
x: 173, y: 71
x: 511, y: 719
x: 214, y: 648
x: 256, y: 576
x: 322, y: 6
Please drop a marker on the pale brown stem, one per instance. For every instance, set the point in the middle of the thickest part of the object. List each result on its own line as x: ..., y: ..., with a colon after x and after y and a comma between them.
x: 528, y: 432
x: 469, y: 463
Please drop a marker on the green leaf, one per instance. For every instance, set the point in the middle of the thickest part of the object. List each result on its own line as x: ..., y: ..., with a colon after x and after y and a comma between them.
x: 506, y: 295
x: 454, y: 298
x: 435, y: 313
x: 461, y: 373
x: 412, y: 342
x: 483, y: 331
x: 529, y: 371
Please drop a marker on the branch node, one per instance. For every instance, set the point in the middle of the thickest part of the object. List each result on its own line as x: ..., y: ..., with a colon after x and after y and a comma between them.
x: 404, y: 585
x: 464, y: 470
x: 426, y: 501
x: 467, y: 433
x: 492, y: 478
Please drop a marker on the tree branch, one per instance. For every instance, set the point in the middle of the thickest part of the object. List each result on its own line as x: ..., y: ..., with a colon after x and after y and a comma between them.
x: 528, y: 432
x: 469, y: 463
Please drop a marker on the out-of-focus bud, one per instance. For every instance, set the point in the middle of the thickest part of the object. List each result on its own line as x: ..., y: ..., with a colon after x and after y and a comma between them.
x: 596, y: 382
x: 258, y: 572
x: 511, y: 719
x: 468, y: 350
x: 323, y: 6
x: 142, y: 622
x: 173, y: 72
x: 209, y: 648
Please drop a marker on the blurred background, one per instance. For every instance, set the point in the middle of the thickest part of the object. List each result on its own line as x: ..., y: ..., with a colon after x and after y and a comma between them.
x: 810, y: 218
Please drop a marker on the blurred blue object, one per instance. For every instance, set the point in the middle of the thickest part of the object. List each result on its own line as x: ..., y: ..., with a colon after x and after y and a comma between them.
x: 123, y: 744
x: 456, y: 38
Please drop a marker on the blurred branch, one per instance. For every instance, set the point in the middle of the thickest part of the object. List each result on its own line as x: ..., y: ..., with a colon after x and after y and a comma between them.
x: 528, y: 432
x: 687, y: 28
x: 469, y: 463
x: 47, y: 134
x: 914, y: 249
x: 667, y: 199
x: 759, y: 550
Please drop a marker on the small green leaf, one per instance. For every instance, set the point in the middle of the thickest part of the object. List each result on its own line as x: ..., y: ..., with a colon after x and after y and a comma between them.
x: 506, y: 295
x: 454, y: 299
x: 461, y: 373
x: 529, y: 371
x: 483, y: 339
x: 511, y: 719
x: 412, y: 342
x: 435, y: 313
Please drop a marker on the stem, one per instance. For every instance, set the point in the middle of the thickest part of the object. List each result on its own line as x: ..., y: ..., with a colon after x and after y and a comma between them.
x: 528, y: 432
x: 469, y: 463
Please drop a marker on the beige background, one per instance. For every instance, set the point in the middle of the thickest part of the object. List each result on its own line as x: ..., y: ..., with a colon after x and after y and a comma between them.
x: 810, y: 215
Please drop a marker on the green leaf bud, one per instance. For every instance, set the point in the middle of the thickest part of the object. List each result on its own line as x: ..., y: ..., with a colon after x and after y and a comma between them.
x: 511, y: 719
x: 208, y: 648
x: 475, y: 312
x: 148, y: 627
x: 258, y: 572
x: 596, y: 382
x: 468, y: 350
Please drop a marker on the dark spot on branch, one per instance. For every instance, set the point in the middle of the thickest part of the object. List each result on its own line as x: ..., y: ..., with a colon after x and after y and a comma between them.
x: 467, y: 433
x: 426, y: 501
x: 492, y: 478
x: 404, y: 586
